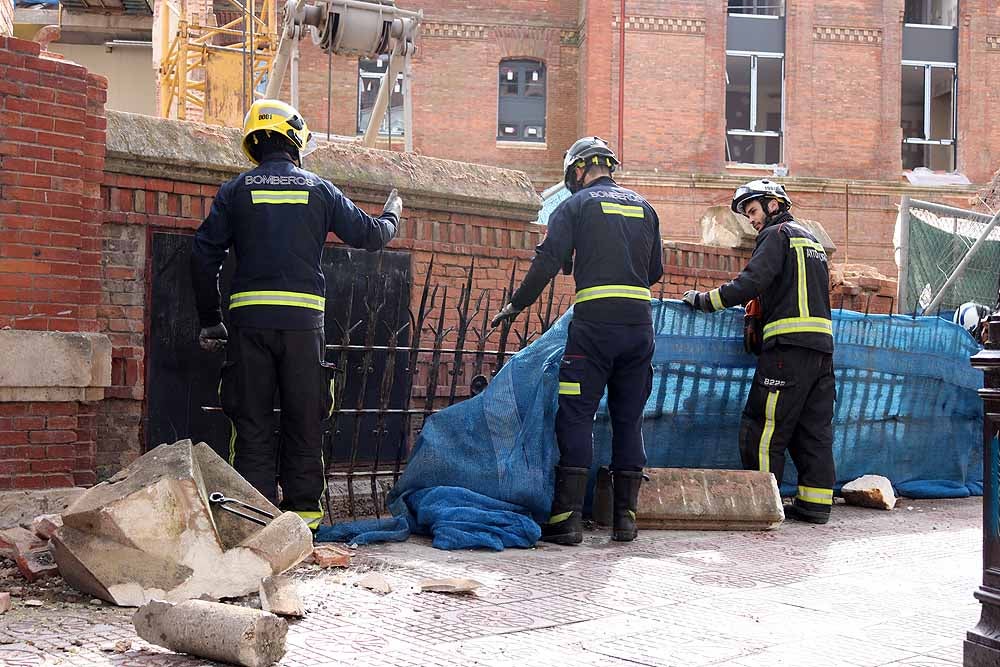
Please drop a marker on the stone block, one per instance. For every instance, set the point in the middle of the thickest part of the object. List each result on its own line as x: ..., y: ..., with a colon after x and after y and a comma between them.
x: 721, y: 227
x: 53, y: 365
x: 870, y: 491
x: 150, y: 532
x: 46, y: 525
x: 221, y: 632
x: 697, y: 499
x: 17, y: 539
x: 279, y: 595
x: 21, y: 507
x: 4, y: 602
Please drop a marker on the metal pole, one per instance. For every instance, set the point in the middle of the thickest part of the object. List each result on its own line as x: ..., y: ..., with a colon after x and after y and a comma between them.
x: 960, y: 269
x: 393, y: 69
x: 295, y: 70
x: 407, y: 107
x: 904, y: 254
x: 621, y: 84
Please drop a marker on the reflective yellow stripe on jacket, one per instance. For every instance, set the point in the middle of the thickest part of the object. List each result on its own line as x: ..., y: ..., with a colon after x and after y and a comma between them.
x: 792, y: 325
x: 611, y: 208
x: 613, y: 291
x: 279, y: 196
x: 276, y: 298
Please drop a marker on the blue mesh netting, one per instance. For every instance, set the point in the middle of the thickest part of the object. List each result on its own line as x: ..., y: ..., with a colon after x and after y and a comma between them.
x: 907, y: 409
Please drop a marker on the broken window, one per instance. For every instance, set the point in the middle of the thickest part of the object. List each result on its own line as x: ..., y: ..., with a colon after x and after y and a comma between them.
x: 521, y: 101
x: 927, y: 116
x: 754, y: 103
x: 931, y: 12
x: 757, y: 7
x: 371, y: 73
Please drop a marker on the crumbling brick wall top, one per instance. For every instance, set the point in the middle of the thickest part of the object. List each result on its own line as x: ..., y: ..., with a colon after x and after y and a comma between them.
x: 180, y: 150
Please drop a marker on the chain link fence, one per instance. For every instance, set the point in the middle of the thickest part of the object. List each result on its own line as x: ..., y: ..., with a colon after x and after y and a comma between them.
x: 946, y: 257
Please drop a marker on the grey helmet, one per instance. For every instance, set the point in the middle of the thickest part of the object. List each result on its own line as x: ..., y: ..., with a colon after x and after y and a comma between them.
x: 756, y: 190
x: 583, y: 152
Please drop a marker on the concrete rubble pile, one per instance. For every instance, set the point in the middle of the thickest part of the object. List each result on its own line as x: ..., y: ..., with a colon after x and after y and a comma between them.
x: 151, y: 532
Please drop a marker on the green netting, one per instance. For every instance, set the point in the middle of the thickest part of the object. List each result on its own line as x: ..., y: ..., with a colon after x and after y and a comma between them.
x: 936, y: 246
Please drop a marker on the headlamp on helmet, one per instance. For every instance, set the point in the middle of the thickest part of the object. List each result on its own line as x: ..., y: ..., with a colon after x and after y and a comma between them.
x: 586, y: 153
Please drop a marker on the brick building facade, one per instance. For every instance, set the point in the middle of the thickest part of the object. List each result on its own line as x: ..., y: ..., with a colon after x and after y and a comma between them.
x: 83, y: 192
x: 840, y: 127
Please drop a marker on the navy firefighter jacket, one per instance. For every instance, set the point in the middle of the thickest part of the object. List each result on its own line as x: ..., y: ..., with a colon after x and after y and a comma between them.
x: 611, y: 237
x: 788, y: 272
x: 276, y: 218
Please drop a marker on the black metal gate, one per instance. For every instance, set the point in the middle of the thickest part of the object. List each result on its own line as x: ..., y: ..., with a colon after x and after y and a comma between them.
x: 182, y: 380
x: 394, y: 364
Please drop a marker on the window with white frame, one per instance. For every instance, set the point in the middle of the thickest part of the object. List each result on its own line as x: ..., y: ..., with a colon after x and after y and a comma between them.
x: 927, y: 116
x: 521, y: 101
x: 931, y: 12
x: 754, y: 107
x: 757, y: 7
x: 371, y: 73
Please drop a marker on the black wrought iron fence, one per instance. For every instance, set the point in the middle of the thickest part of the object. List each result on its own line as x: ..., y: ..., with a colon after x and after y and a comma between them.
x: 434, y: 356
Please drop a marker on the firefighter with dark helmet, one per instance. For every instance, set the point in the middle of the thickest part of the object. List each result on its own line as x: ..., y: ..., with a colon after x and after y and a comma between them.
x: 790, y: 405
x: 609, y: 237
x: 276, y: 218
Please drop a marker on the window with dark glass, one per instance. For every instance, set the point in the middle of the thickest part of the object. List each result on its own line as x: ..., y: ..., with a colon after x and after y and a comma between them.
x: 927, y: 116
x: 757, y: 7
x: 371, y: 73
x: 754, y: 91
x: 931, y: 12
x: 521, y: 101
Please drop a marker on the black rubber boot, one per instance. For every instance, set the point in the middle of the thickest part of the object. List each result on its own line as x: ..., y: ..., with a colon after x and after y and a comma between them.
x: 626, y: 485
x: 565, y: 524
x: 808, y: 512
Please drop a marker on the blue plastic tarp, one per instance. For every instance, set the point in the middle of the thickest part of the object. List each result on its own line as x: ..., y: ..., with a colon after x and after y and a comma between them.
x: 906, y: 409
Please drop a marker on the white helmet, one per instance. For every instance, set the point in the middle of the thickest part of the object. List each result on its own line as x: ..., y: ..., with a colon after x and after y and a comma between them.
x: 969, y: 315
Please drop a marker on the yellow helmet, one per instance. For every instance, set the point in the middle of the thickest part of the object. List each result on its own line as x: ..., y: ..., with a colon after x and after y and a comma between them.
x: 267, y: 116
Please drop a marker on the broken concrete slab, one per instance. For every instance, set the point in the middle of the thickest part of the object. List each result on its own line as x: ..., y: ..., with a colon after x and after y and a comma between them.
x: 699, y: 499
x: 150, y: 532
x: 46, y: 525
x: 721, y: 227
x: 375, y: 582
x: 870, y: 491
x: 18, y: 508
x: 215, y: 631
x: 448, y: 585
x: 279, y: 595
x: 328, y: 555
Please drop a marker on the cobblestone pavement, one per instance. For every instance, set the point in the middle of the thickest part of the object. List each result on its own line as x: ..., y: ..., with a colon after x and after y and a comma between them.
x: 869, y: 589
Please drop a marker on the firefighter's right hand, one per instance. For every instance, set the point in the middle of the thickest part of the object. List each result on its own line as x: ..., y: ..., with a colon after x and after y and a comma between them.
x: 394, y: 204
x: 213, y: 338
x: 691, y: 298
x: 509, y: 312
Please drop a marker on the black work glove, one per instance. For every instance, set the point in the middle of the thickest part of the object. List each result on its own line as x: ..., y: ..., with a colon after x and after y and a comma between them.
x: 509, y: 312
x: 394, y: 204
x: 697, y: 300
x: 213, y: 338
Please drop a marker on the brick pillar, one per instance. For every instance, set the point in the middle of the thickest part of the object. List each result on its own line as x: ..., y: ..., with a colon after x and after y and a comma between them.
x: 978, y: 94
x: 597, y: 58
x: 52, y: 143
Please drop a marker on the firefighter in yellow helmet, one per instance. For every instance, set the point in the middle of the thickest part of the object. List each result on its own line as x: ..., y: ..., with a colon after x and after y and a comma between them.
x: 276, y: 218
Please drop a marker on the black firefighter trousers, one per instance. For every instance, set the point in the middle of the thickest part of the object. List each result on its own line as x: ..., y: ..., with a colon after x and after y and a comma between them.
x: 597, y: 355
x: 258, y: 361
x: 790, y: 406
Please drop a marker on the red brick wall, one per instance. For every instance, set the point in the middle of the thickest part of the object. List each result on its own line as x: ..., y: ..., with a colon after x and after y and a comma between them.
x: 46, y: 445
x: 51, y: 165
